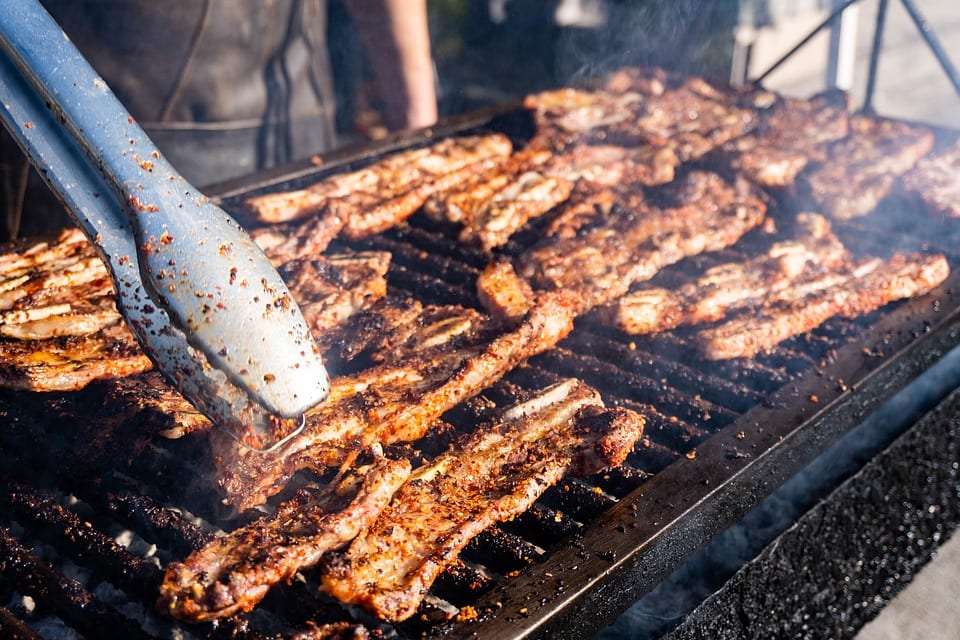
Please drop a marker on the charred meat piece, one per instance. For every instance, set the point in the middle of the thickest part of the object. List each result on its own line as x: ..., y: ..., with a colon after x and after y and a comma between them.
x: 855, y: 291
x: 705, y: 213
x: 461, y: 202
x: 397, y: 402
x: 589, y: 203
x: 505, y: 295
x: 863, y: 167
x: 335, y: 287
x: 729, y: 287
x: 610, y: 165
x: 490, y: 475
x: 303, y: 239
x: 72, y: 362
x: 389, y: 178
x: 563, y: 116
x: 791, y: 134
x: 935, y: 182
x: 692, y: 119
x: 59, y: 325
x: 530, y: 196
x: 234, y: 572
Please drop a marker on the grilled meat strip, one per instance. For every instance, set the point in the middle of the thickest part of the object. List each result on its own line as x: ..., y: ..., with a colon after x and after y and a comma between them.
x: 692, y: 119
x: 435, y: 368
x: 490, y: 475
x: 530, y: 196
x: 935, y: 182
x: 791, y: 134
x: 234, y: 572
x: 332, y: 289
x: 637, y: 239
x: 60, y: 328
x: 732, y: 286
x: 391, y: 177
x: 59, y: 325
x: 610, y: 165
x: 863, y: 167
x: 461, y: 202
x: 849, y: 293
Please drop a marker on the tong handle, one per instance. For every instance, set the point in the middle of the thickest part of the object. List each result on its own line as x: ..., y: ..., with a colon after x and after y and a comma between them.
x: 201, y: 297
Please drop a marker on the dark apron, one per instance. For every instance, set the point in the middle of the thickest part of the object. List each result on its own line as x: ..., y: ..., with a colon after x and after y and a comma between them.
x: 223, y: 87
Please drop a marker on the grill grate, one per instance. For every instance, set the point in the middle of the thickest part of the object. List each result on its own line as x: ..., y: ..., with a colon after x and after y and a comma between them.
x: 719, y: 437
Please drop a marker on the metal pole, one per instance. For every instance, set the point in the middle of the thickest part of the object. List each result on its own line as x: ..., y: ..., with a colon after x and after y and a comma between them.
x: 875, y: 56
x: 934, y: 43
x: 807, y: 39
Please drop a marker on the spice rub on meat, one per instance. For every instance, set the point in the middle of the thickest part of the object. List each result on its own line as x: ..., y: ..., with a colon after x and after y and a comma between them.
x: 234, y: 572
x: 935, y: 182
x: 813, y: 249
x: 859, y: 288
x: 449, y: 360
x: 701, y: 212
x: 379, y: 195
x: 861, y: 169
x: 489, y: 475
x: 792, y: 133
x: 59, y: 325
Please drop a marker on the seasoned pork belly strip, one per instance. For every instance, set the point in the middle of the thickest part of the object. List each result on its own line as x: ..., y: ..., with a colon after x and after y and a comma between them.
x: 488, y: 476
x: 335, y: 287
x: 234, y: 572
x: 72, y: 362
x: 60, y: 328
x: 864, y: 287
x: 732, y: 286
x: 461, y: 202
x: 637, y: 239
x: 692, y: 119
x: 442, y: 364
x: 861, y: 169
x: 530, y: 196
x: 792, y: 133
x: 390, y: 177
x: 935, y: 182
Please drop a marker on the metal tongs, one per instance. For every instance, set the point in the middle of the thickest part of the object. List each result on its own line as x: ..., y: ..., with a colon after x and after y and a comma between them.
x: 204, y: 302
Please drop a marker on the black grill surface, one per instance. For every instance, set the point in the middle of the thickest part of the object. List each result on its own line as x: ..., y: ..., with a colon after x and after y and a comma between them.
x: 94, y: 504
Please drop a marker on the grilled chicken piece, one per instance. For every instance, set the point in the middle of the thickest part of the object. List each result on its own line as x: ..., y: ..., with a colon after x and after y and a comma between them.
x: 395, y: 402
x: 488, y: 476
x: 637, y: 239
x: 863, y: 167
x: 792, y: 133
x: 391, y: 177
x: 935, y: 182
x: 855, y: 291
x: 732, y: 286
x: 234, y: 572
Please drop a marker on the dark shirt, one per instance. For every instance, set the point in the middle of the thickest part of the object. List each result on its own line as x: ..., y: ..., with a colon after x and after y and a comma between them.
x: 223, y: 87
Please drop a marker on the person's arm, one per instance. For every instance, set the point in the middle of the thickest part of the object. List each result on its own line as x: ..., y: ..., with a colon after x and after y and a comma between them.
x: 397, y: 40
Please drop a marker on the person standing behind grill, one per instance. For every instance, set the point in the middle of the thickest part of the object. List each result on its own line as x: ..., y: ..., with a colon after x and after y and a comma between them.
x: 226, y: 88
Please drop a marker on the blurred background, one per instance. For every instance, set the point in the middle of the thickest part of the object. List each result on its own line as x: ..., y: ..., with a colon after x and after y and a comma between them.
x: 494, y: 51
